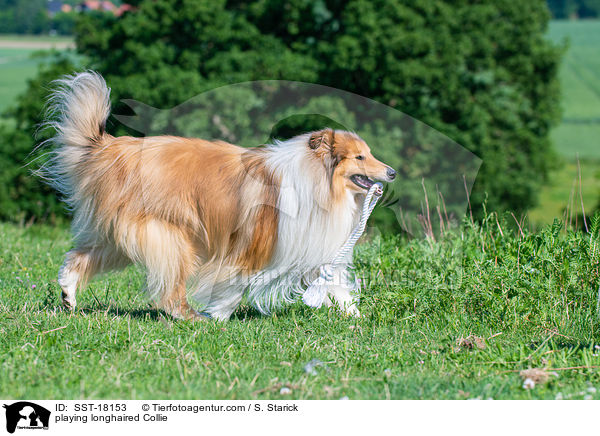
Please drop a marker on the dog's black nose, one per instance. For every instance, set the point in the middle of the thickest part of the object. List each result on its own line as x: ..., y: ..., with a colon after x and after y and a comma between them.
x: 391, y: 174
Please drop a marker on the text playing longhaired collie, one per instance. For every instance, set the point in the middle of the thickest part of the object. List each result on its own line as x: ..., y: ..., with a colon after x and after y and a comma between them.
x: 221, y: 220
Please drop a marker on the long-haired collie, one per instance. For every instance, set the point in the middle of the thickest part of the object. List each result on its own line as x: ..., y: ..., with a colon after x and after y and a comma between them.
x: 220, y: 220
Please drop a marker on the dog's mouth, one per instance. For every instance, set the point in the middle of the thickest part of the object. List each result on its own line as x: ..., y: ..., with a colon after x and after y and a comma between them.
x: 362, y: 181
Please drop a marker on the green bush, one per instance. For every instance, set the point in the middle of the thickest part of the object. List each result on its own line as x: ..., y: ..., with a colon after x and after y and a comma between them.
x: 22, y: 195
x: 63, y: 23
x: 488, y: 271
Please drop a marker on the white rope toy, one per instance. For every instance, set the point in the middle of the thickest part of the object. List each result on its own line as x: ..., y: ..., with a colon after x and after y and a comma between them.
x: 317, y: 291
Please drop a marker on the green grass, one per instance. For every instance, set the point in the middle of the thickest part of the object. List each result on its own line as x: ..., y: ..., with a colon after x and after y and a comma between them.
x: 579, y: 75
x: 583, y: 140
x: 17, y: 64
x: 564, y: 185
x: 580, y: 71
x: 578, y: 135
x: 532, y: 298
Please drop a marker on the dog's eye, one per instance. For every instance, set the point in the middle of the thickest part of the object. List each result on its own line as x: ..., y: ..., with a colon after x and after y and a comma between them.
x: 360, y: 157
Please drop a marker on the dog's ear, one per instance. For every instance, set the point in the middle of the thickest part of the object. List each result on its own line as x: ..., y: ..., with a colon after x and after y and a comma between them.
x: 323, y: 143
x: 322, y: 139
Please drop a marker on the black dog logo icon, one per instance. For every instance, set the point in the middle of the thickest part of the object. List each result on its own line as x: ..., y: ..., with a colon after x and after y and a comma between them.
x: 26, y: 415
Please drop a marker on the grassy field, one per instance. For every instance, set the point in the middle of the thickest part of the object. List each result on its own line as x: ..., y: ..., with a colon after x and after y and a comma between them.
x: 17, y: 64
x: 579, y: 132
x: 578, y: 136
x: 562, y: 192
x: 464, y: 318
x: 580, y: 71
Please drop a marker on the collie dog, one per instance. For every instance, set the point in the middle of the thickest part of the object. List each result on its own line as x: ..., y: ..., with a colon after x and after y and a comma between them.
x: 220, y: 220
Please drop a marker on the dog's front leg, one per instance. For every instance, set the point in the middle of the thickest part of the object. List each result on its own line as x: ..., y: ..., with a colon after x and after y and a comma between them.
x: 343, y: 297
x: 344, y: 293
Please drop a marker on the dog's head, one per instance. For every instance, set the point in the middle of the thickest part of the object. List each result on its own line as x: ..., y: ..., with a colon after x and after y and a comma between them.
x: 349, y: 160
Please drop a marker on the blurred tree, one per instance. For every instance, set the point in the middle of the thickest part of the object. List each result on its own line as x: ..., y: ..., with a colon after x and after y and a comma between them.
x: 63, y: 23
x: 32, y: 17
x: 23, y: 196
x: 589, y: 9
x: 23, y: 16
x: 168, y: 51
x: 562, y: 8
x: 574, y: 8
x: 481, y: 72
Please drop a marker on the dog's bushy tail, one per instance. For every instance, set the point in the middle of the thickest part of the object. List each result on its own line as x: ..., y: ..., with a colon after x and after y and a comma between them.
x: 77, y: 110
x: 79, y: 106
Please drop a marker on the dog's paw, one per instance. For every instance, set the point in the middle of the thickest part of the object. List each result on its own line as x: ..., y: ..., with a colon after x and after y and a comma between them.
x: 68, y: 280
x: 189, y: 314
x: 68, y: 301
x: 199, y: 316
x: 353, y: 311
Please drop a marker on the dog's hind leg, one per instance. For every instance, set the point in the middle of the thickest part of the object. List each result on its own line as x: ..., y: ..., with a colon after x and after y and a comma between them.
x: 175, y: 302
x: 81, y: 264
x: 168, y: 257
x: 168, y: 289
x: 224, y: 302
